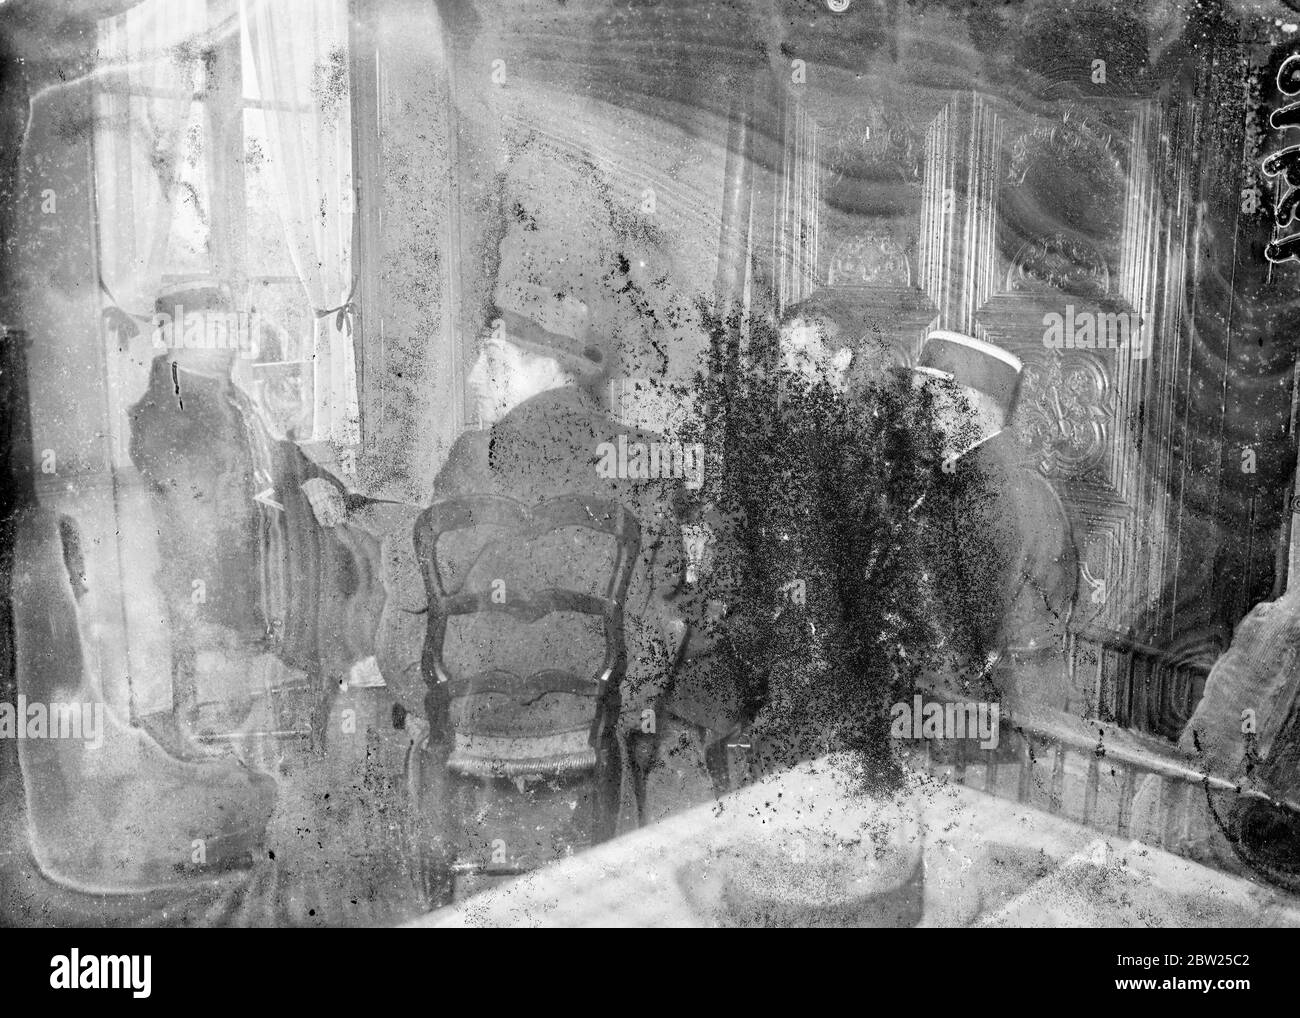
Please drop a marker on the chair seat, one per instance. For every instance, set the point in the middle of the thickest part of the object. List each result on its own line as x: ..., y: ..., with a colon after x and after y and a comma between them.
x: 551, y: 755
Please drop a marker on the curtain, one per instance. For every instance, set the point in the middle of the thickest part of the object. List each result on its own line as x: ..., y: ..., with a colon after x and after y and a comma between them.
x: 149, y: 66
x: 152, y: 52
x: 147, y: 70
x: 300, y: 60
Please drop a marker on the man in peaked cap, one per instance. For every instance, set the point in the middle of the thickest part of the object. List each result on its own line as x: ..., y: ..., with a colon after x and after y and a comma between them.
x: 127, y: 815
x: 292, y: 579
x: 1000, y: 540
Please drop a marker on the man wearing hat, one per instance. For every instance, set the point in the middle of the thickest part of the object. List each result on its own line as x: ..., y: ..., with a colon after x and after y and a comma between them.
x: 240, y: 511
x: 194, y: 433
x: 270, y: 574
x: 1000, y: 546
x: 528, y: 760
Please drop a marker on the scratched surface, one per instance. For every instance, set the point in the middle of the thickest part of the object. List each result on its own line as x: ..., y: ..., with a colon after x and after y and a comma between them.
x: 894, y: 400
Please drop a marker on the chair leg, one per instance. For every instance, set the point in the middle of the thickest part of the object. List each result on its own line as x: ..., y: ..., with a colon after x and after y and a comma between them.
x: 643, y: 748
x: 717, y: 758
x: 435, y: 819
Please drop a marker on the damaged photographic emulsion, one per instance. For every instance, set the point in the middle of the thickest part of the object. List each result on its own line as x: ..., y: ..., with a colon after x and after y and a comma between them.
x: 724, y: 463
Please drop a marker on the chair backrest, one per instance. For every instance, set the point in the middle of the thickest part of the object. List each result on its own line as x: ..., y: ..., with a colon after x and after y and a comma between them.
x: 524, y: 648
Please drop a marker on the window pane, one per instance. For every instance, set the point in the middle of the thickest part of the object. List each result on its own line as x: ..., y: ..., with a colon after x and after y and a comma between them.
x: 279, y: 376
x: 249, y: 71
x: 188, y: 245
x: 267, y: 254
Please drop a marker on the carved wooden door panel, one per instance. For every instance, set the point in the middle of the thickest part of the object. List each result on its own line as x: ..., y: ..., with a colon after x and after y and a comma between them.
x: 1075, y: 233
x: 1087, y: 251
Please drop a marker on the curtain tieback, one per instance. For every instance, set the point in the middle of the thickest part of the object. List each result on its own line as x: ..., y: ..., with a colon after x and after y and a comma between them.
x: 343, y: 313
x: 120, y: 320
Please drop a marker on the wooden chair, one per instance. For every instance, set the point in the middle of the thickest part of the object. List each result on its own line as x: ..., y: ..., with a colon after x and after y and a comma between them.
x: 523, y: 763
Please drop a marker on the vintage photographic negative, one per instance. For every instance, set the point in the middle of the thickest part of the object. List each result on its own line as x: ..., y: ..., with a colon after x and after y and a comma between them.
x: 649, y: 463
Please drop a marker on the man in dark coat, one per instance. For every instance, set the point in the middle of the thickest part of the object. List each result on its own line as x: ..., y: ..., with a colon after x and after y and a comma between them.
x: 247, y: 564
x: 999, y: 545
x: 271, y: 578
x: 265, y: 606
x: 551, y: 556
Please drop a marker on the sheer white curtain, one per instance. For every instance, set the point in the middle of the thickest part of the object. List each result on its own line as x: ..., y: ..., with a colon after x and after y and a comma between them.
x: 147, y: 71
x: 300, y: 59
x: 148, y: 68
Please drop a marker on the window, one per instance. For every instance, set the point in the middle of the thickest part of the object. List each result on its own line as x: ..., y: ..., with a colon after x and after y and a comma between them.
x: 223, y: 149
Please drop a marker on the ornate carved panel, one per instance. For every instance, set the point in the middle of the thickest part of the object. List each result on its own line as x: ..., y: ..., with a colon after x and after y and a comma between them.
x: 1059, y: 262
x: 869, y: 259
x: 1066, y: 413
